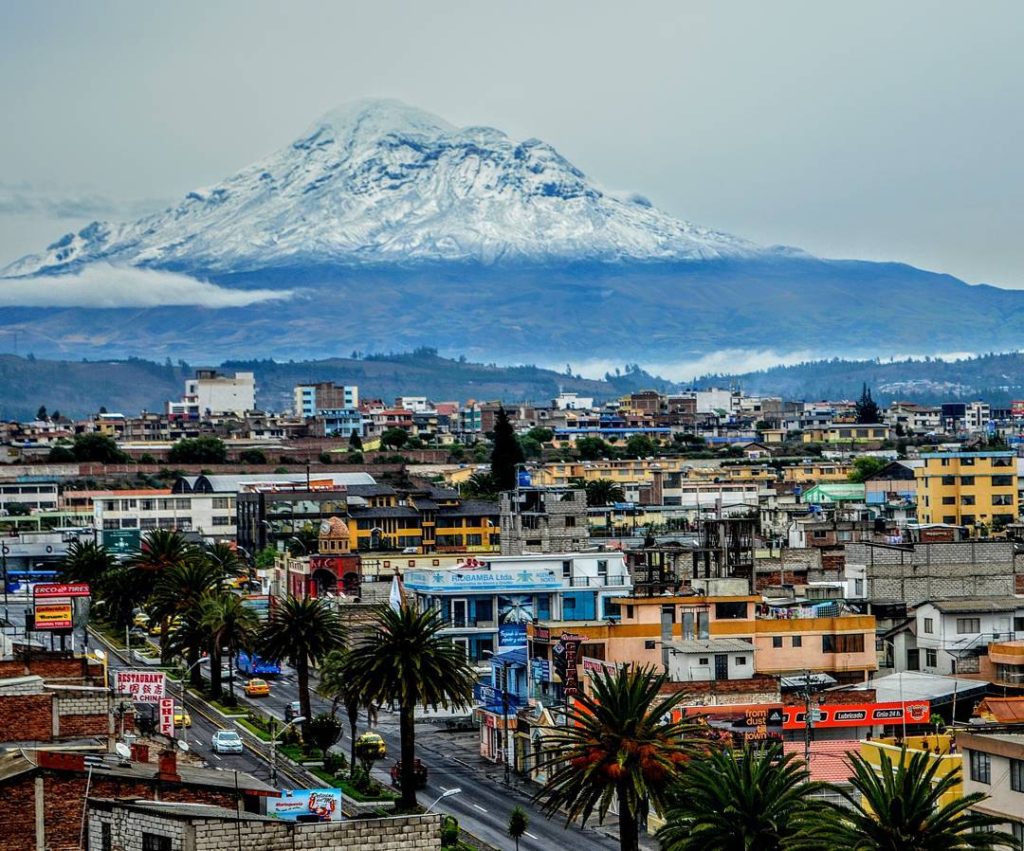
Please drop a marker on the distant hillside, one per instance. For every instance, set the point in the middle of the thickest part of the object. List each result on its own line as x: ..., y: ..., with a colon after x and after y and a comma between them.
x: 996, y: 378
x: 79, y: 388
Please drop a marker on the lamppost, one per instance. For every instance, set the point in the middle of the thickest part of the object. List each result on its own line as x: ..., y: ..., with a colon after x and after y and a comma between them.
x: 447, y: 793
x: 184, y: 713
x: 273, y: 747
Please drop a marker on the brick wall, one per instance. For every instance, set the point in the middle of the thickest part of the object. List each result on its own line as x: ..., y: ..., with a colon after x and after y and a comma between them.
x: 52, y: 667
x: 26, y: 718
x: 83, y: 726
x: 19, y: 829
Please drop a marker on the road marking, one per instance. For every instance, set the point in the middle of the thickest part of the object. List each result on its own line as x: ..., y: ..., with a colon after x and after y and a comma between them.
x: 443, y: 788
x: 527, y: 833
x: 480, y: 808
x: 215, y: 755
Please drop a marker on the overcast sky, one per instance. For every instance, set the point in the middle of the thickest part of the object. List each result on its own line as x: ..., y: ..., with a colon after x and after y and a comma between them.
x: 877, y: 130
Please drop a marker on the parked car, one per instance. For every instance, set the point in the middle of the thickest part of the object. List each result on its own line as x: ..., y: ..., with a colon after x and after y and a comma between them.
x: 181, y: 717
x: 419, y: 772
x: 257, y: 688
x: 292, y: 710
x: 226, y: 741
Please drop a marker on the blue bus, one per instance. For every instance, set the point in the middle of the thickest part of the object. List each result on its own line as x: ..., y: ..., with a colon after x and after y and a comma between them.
x: 254, y: 666
x: 16, y: 578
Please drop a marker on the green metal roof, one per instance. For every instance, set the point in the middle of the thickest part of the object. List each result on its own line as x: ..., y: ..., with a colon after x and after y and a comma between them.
x: 834, y: 492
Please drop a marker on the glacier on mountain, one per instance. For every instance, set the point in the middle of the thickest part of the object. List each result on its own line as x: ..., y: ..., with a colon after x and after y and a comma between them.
x: 379, y: 182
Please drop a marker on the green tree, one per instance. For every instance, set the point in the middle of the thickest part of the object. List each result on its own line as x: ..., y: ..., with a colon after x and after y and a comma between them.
x: 518, y: 824
x: 198, y: 450
x: 593, y: 448
x: 404, y: 659
x: 899, y: 808
x: 322, y: 731
x: 17, y: 509
x: 617, y: 744
x: 301, y: 630
x: 162, y: 551
x: 120, y: 591
x: 481, y: 485
x: 338, y: 685
x: 867, y: 409
x: 252, y: 456
x: 230, y: 624
x: 506, y: 454
x: 178, y: 593
x: 753, y: 798
x: 355, y: 442
x: 640, y: 446
x: 603, y: 492
x: 41, y: 413
x: 866, y: 466
x: 396, y: 438
x: 92, y: 448
x: 541, y: 434
x: 85, y: 562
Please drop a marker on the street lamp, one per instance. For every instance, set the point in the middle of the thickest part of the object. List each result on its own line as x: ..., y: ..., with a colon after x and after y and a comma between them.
x: 447, y: 793
x: 273, y: 747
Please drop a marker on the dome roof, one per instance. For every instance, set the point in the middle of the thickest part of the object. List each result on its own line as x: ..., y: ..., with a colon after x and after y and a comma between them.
x: 334, y: 528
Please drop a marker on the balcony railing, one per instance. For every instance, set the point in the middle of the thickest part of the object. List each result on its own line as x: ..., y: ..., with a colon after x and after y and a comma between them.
x: 598, y: 581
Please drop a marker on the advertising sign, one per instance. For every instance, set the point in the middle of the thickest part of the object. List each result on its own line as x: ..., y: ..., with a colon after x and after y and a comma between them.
x: 60, y: 589
x: 740, y: 724
x: 859, y: 714
x: 325, y: 804
x: 566, y: 662
x: 54, y: 613
x: 142, y: 686
x: 511, y: 635
x: 166, y: 716
x: 482, y: 580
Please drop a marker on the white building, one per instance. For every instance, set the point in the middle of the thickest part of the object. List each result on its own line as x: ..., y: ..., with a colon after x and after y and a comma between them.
x: 210, y: 515
x: 704, y: 659
x: 952, y: 634
x: 716, y: 399
x: 210, y: 393
x: 572, y: 402
x: 37, y: 496
x: 416, y: 404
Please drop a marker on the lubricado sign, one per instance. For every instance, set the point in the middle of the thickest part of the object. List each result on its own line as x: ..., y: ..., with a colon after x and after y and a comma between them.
x: 860, y: 714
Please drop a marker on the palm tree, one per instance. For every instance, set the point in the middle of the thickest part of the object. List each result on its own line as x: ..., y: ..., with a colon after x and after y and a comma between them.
x: 120, y: 590
x: 620, y: 742
x: 899, y: 808
x: 338, y: 684
x: 178, y: 591
x: 405, y: 660
x: 226, y: 559
x: 86, y: 562
x: 301, y: 630
x: 229, y: 623
x: 160, y: 551
x: 753, y: 798
x: 518, y: 823
x: 602, y: 492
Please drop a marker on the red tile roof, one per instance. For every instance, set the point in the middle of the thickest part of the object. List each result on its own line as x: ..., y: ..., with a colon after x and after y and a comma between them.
x: 829, y: 759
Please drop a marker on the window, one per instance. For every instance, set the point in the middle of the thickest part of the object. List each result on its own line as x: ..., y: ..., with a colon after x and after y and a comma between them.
x: 966, y: 626
x: 966, y: 462
x: 967, y: 500
x: 602, y: 567
x: 223, y: 521
x: 949, y: 500
x: 730, y: 611
x: 949, y: 519
x: 106, y: 842
x: 1017, y: 775
x: 776, y: 641
x: 649, y: 644
x: 153, y: 842
x: 820, y: 533
x: 1017, y: 828
x: 566, y: 569
x: 931, y: 658
x: 702, y: 660
x: 741, y: 660
x: 842, y: 643
x: 949, y: 480
x: 929, y: 625
x: 981, y: 767
x: 1002, y: 481
x: 966, y: 519
x: 629, y: 612
x: 966, y: 481
x: 570, y: 522
x: 1002, y: 499
x: 798, y: 641
x: 858, y: 587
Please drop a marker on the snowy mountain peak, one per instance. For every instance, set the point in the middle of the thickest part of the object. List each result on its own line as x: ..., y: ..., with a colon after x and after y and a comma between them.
x: 380, y: 182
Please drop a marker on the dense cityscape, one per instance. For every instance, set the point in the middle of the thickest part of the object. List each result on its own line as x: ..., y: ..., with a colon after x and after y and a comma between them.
x: 379, y: 605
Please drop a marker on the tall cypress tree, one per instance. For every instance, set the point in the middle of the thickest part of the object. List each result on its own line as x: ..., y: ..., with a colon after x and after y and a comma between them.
x: 507, y: 452
x: 867, y: 409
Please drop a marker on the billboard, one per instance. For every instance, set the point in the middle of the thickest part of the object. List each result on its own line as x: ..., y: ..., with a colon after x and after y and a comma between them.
x: 166, y: 716
x: 60, y: 589
x: 566, y: 663
x: 860, y: 714
x: 142, y: 686
x: 325, y: 804
x: 53, y: 613
x: 122, y: 542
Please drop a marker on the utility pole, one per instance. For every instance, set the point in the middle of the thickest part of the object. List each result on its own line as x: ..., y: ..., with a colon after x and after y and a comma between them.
x: 504, y: 719
x: 807, y: 719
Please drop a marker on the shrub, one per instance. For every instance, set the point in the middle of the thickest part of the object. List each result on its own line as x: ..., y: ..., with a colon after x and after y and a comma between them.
x: 449, y: 832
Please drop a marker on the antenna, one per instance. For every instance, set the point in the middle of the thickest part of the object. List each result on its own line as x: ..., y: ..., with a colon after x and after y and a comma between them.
x: 123, y: 751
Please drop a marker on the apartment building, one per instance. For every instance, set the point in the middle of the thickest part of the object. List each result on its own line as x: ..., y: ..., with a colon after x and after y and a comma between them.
x: 309, y: 399
x: 37, y: 495
x: 994, y: 766
x: 212, y: 393
x: 543, y: 520
x: 952, y: 635
x: 210, y: 515
x: 967, y: 488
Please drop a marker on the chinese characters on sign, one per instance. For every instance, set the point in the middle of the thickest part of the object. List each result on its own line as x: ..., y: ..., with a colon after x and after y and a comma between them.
x: 166, y: 716
x: 142, y: 686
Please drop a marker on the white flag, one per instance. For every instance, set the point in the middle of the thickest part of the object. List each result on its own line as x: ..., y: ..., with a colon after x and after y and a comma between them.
x: 395, y: 599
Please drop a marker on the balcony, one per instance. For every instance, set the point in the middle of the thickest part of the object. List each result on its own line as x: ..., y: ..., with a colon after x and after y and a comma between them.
x: 614, y: 580
x: 470, y: 623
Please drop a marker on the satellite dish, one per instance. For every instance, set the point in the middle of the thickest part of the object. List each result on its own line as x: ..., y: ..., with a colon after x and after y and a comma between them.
x: 182, y: 745
x: 123, y: 750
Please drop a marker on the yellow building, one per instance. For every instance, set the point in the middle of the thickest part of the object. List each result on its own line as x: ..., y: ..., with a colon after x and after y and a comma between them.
x: 847, y: 433
x: 937, y: 747
x: 967, y: 488
x: 817, y: 471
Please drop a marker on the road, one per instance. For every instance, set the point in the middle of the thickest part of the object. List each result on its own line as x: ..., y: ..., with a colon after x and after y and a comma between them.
x: 482, y: 807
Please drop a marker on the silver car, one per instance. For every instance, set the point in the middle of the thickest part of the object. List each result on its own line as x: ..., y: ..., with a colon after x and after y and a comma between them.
x: 226, y: 741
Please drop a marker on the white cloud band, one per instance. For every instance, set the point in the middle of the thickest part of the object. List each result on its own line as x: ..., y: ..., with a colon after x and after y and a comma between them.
x: 105, y: 286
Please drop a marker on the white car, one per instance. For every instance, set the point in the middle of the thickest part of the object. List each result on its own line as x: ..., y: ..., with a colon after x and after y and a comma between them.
x: 226, y: 741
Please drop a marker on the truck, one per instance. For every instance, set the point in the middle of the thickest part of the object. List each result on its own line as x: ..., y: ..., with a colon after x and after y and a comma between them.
x: 254, y: 666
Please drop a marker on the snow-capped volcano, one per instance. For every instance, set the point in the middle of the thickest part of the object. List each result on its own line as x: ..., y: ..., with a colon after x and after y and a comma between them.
x: 380, y: 182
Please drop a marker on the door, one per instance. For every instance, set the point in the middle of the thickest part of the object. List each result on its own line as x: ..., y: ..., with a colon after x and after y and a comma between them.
x: 460, y: 610
x: 721, y: 666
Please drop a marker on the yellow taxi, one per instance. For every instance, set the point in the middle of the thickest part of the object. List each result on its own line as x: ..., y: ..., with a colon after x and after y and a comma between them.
x: 257, y: 688
x: 181, y: 717
x: 140, y: 620
x: 154, y: 626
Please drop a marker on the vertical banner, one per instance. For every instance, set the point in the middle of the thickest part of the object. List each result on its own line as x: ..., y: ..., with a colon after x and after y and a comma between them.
x: 167, y: 716
x: 566, y: 662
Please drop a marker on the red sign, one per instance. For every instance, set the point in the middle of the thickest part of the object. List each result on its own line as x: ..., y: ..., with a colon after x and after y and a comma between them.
x: 167, y: 716
x: 60, y: 589
x: 142, y: 686
x: 1017, y: 409
x: 54, y: 613
x: 859, y: 714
